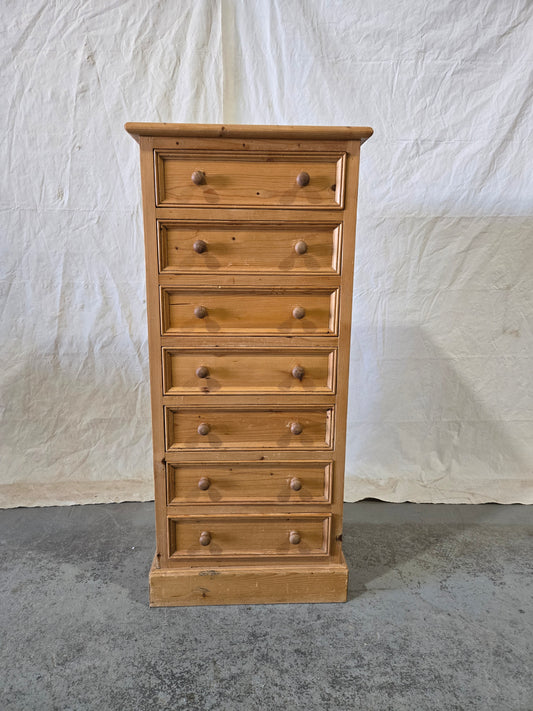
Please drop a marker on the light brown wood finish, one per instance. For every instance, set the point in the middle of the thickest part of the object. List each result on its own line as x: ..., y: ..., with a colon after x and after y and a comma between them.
x: 251, y: 371
x: 248, y: 584
x: 245, y: 536
x: 154, y: 334
x: 250, y: 179
x: 232, y: 247
x: 243, y: 311
x: 229, y: 477
x: 231, y: 131
x: 210, y: 428
x: 259, y: 482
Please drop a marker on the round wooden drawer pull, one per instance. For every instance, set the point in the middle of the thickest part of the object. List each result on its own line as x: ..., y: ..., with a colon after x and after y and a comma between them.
x: 303, y: 179
x: 205, y: 538
x: 202, y: 372
x: 300, y: 247
x: 198, y: 177
x: 298, y: 372
x: 298, y: 312
x: 296, y: 428
x: 294, y: 538
x: 295, y: 484
x: 200, y: 312
x: 204, y: 483
x: 203, y: 429
x: 200, y: 246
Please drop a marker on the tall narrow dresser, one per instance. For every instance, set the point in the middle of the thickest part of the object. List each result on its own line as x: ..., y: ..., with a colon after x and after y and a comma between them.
x: 250, y: 238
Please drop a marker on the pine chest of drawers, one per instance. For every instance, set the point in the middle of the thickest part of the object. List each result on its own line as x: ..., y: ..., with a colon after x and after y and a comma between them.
x: 250, y: 236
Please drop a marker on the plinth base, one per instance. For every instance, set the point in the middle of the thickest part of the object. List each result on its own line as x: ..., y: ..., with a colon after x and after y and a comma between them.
x: 248, y: 585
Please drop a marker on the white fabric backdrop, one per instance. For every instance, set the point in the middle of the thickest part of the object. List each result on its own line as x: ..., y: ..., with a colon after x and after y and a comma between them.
x: 440, y: 392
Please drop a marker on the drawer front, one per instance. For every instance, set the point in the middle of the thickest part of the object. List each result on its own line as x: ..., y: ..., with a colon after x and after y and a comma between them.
x: 210, y: 428
x: 227, y: 372
x: 249, y: 536
x: 240, y: 248
x: 255, y: 482
x: 230, y: 178
x: 213, y: 311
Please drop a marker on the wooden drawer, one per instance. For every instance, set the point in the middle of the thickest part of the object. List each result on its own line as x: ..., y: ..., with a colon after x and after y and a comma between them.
x: 215, y: 311
x: 242, y: 427
x: 249, y: 482
x: 249, y: 179
x: 227, y: 372
x: 249, y: 535
x: 247, y: 247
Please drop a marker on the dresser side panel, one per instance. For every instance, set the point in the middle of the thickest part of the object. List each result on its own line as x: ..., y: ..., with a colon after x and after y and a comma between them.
x: 345, y: 321
x: 154, y: 344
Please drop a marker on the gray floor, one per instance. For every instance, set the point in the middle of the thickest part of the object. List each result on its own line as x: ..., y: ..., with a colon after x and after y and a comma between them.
x: 439, y: 616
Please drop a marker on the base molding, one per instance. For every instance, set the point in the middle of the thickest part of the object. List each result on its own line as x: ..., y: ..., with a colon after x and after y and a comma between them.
x: 248, y: 585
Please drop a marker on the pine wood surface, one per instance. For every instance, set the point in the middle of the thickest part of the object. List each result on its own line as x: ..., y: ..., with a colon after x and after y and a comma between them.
x: 249, y: 212
x: 250, y: 180
x: 239, y: 427
x: 249, y: 584
x: 267, y: 371
x: 238, y: 311
x: 260, y: 482
x: 228, y: 131
x: 245, y: 536
x: 233, y: 247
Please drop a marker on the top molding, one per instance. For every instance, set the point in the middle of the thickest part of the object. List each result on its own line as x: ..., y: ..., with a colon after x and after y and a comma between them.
x: 208, y: 130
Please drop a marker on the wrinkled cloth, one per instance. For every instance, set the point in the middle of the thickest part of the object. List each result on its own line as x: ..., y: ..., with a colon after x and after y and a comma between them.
x: 440, y: 385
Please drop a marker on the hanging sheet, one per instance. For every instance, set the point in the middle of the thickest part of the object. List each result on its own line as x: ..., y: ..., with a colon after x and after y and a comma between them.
x: 440, y: 387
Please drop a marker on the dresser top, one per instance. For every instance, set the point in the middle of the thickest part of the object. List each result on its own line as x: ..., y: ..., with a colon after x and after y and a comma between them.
x: 207, y: 130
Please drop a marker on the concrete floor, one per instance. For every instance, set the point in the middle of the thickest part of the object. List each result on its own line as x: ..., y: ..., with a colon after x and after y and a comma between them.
x: 439, y: 616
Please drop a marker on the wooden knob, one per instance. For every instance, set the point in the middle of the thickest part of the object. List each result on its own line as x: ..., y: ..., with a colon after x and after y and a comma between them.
x: 205, y: 538
x: 200, y: 312
x: 303, y: 179
x: 295, y: 484
x: 300, y: 247
x: 200, y: 246
x: 203, y: 429
x: 298, y: 372
x: 297, y: 312
x: 204, y: 483
x: 296, y: 428
x: 202, y: 372
x: 198, y: 177
x: 294, y: 538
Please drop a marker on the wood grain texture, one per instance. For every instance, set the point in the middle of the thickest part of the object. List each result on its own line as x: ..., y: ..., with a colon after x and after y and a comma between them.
x: 249, y: 428
x: 255, y: 584
x: 229, y: 131
x: 249, y: 455
x: 249, y: 483
x: 248, y: 371
x: 245, y: 536
x: 238, y: 248
x: 154, y: 330
x: 249, y: 179
x: 345, y: 320
x: 246, y: 311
